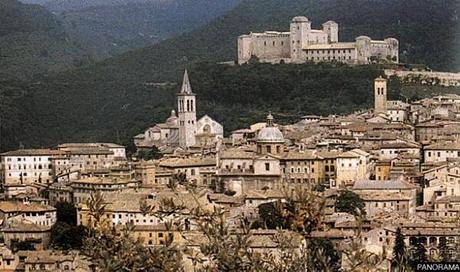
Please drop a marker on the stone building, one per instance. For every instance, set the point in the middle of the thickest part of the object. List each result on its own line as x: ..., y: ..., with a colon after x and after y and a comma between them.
x: 35, y: 213
x: 26, y: 166
x: 183, y: 130
x: 387, y: 196
x: 241, y: 170
x: 198, y: 170
x: 302, y: 44
x: 83, y: 188
x: 380, y: 95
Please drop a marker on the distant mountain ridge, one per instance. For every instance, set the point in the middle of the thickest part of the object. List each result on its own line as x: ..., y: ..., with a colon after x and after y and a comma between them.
x: 33, y: 41
x: 114, y: 29
x: 69, y: 5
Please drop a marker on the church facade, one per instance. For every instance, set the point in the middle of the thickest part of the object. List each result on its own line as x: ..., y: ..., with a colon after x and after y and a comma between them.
x: 182, y: 130
x: 304, y: 44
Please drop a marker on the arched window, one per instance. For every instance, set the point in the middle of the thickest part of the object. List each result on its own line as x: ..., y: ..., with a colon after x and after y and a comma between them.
x: 207, y: 128
x: 188, y: 105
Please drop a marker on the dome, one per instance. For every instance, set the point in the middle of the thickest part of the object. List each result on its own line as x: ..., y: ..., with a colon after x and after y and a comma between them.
x: 270, y: 133
x: 172, y: 120
x: 300, y: 19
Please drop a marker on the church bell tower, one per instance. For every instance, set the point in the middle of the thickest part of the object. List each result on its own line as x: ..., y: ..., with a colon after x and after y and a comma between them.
x: 187, y: 113
x: 380, y: 95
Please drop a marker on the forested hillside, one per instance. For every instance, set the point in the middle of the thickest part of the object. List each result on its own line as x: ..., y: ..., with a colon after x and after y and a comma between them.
x: 234, y: 95
x: 111, y: 100
x: 33, y: 42
x: 114, y: 29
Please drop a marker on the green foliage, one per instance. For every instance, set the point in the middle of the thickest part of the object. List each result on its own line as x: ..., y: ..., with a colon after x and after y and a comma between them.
x: 114, y: 28
x: 66, y: 213
x: 152, y: 154
x: 420, y: 251
x: 34, y: 43
x: 324, y: 255
x: 65, y: 236
x: 114, y: 249
x: 351, y: 203
x: 443, y: 250
x: 271, y: 215
x: 399, y: 247
x: 17, y: 245
x: 400, y: 261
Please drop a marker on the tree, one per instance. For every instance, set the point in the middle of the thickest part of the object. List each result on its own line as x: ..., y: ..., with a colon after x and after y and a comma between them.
x: 65, y: 236
x: 443, y: 250
x: 151, y: 154
x: 271, y: 216
x: 400, y: 261
x: 66, y: 213
x: 351, y: 203
x: 419, y: 251
x: 114, y: 250
x: 22, y: 245
x: 399, y: 247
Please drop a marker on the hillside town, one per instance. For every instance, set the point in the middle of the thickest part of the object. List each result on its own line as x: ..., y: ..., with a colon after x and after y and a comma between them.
x: 400, y: 160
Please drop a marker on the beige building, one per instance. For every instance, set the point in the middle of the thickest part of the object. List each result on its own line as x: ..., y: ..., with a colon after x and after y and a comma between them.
x: 38, y: 235
x: 304, y: 44
x: 302, y: 167
x: 387, y: 196
x: 53, y: 260
x: 85, y: 187
x: 199, y: 170
x: 42, y: 215
x: 241, y: 170
x: 351, y: 166
x: 145, y: 172
x: 441, y: 152
x: 27, y: 166
x: 156, y: 235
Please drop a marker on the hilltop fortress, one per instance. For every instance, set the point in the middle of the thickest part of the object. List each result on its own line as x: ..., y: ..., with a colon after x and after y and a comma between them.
x: 304, y: 44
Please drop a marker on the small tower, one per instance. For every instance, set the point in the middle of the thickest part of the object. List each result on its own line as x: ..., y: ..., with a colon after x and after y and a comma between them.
x: 380, y: 95
x: 332, y: 30
x: 300, y: 28
x: 187, y: 113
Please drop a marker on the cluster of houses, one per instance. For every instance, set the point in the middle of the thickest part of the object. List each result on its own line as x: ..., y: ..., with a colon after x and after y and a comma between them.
x: 402, y: 159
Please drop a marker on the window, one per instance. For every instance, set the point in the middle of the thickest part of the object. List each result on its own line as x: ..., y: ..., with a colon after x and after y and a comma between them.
x: 267, y: 166
x: 269, y: 149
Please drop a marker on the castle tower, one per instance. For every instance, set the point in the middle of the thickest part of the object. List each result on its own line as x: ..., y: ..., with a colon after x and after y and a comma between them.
x: 186, y: 105
x: 380, y: 95
x: 300, y: 28
x: 332, y: 30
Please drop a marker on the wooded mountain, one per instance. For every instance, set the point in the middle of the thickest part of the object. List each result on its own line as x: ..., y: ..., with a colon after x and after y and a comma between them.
x: 32, y: 41
x: 113, y: 29
x: 112, y: 100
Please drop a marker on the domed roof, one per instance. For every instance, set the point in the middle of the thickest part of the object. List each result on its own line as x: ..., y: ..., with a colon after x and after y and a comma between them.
x: 172, y: 120
x: 270, y: 133
x: 300, y: 19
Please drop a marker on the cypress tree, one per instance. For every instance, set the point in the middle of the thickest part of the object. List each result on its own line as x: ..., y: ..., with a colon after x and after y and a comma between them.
x: 399, y: 248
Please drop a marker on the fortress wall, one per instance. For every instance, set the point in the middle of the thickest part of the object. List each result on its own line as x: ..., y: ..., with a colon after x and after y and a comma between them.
x: 427, y: 77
